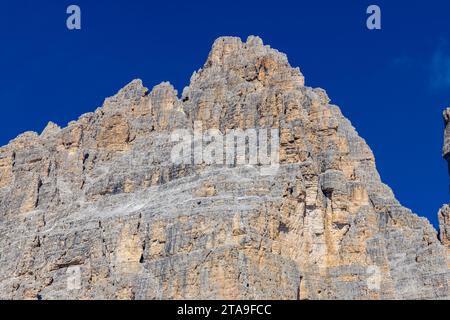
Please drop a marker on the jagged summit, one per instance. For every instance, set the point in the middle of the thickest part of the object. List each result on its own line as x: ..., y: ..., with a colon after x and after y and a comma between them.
x: 103, y: 197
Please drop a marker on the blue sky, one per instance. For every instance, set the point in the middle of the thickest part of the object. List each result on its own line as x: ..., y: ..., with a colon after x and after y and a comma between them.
x: 392, y: 83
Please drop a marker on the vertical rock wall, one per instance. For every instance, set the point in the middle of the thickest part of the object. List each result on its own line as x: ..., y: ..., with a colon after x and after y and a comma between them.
x: 100, y: 200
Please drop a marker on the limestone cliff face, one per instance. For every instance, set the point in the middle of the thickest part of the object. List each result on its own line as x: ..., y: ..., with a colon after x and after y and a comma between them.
x: 99, y: 210
x: 446, y: 148
x: 444, y: 226
x: 444, y: 213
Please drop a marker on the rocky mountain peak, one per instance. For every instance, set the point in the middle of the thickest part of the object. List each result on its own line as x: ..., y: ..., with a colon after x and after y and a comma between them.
x: 103, y: 197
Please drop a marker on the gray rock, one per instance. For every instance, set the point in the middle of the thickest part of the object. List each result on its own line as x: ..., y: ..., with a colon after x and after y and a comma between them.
x: 98, y: 209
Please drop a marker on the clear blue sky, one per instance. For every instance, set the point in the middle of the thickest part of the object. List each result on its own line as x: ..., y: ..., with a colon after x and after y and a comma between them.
x: 392, y: 84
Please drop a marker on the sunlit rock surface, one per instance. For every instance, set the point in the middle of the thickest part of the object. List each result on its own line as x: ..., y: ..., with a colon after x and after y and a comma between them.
x: 98, y: 209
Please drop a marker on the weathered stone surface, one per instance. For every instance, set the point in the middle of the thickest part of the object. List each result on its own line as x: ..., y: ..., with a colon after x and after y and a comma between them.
x: 102, y: 197
x: 446, y: 149
x: 444, y: 225
x: 446, y: 116
x: 444, y: 213
x: 444, y: 229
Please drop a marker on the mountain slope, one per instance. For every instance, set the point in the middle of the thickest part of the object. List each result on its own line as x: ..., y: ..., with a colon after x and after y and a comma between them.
x: 100, y: 210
